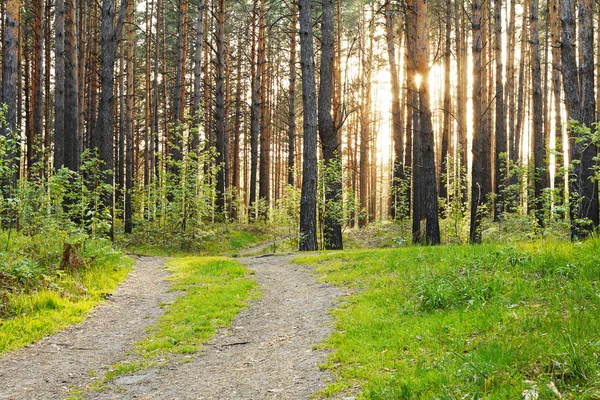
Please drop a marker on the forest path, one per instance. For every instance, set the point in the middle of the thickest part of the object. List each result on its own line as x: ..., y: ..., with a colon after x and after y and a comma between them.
x: 50, y: 368
x: 267, y: 353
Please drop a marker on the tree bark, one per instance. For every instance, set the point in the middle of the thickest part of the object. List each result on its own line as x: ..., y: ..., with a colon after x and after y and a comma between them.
x: 264, y: 186
x: 10, y: 76
x: 500, y: 128
x: 539, y: 140
x: 332, y: 229
x: 477, y: 172
x: 220, y: 133
x: 292, y: 96
x: 71, y: 110
x: 59, y: 84
x: 129, y: 124
x: 397, y: 136
x: 196, y: 98
x: 103, y: 139
x: 254, y: 112
x: 428, y: 178
x: 308, y: 199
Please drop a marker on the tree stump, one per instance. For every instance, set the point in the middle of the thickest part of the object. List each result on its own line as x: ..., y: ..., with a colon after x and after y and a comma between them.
x: 71, y: 258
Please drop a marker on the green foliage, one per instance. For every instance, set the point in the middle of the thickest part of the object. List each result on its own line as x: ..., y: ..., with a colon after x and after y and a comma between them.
x: 452, y: 322
x: 38, y: 298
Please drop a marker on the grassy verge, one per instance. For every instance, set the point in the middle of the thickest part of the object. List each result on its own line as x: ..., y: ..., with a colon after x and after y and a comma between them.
x: 214, y: 290
x: 217, y: 239
x: 496, y: 322
x: 37, y: 298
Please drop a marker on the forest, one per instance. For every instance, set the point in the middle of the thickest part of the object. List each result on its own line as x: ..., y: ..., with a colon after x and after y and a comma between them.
x: 161, y: 161
x: 330, y: 115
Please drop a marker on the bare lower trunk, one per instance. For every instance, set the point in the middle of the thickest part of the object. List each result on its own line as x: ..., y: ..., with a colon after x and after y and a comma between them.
x: 308, y: 200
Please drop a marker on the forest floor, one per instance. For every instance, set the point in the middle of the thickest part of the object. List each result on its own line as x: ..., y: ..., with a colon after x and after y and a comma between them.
x: 268, y: 352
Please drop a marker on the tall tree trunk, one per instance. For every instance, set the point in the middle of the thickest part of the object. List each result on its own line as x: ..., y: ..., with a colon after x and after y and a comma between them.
x: 128, y: 215
x: 71, y: 121
x: 255, y: 111
x: 539, y: 141
x: 10, y: 76
x: 500, y: 128
x: 414, y: 130
x: 196, y: 98
x: 510, y: 84
x: 332, y: 229
x: 517, y: 134
x: 179, y: 99
x: 579, y: 101
x: 365, y: 127
x: 59, y: 84
x: 557, y: 95
x: 34, y: 144
x: 221, y: 135
x: 308, y: 199
x: 103, y: 139
x: 427, y: 179
x: 235, y: 174
x: 477, y: 172
x: 264, y: 186
x: 447, y: 136
x: 398, y: 174
x: 292, y: 96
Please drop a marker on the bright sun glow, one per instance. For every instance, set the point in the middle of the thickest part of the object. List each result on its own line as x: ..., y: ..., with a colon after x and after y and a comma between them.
x: 418, y: 80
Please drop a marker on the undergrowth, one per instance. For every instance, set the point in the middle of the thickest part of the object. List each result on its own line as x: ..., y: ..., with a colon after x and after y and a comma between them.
x: 214, y: 239
x: 38, y: 297
x: 487, y: 321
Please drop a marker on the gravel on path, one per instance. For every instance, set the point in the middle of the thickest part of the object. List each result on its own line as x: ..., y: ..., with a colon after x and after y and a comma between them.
x: 58, y: 363
x: 268, y: 352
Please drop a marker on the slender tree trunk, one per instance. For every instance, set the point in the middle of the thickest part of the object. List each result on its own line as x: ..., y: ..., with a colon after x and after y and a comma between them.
x: 264, y: 186
x: 308, y: 200
x: 59, y: 84
x: 398, y: 174
x: 365, y: 134
x: 500, y: 128
x: 128, y: 215
x: 255, y: 111
x: 103, y: 140
x: 179, y: 100
x: 10, y: 76
x: 34, y: 145
x: 196, y: 98
x: 428, y: 178
x: 332, y: 229
x: 539, y: 141
x: 447, y: 135
x: 477, y: 173
x: 292, y: 97
x: 235, y: 179
x: 413, y: 114
x: 71, y: 110
x: 557, y: 95
x: 222, y: 158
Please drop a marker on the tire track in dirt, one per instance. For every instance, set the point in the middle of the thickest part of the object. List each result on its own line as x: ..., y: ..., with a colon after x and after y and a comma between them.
x: 267, y: 353
x: 50, y: 368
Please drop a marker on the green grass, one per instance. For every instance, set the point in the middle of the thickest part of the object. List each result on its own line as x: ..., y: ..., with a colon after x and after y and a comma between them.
x: 213, y: 291
x: 38, y: 299
x: 216, y: 239
x: 474, y: 322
